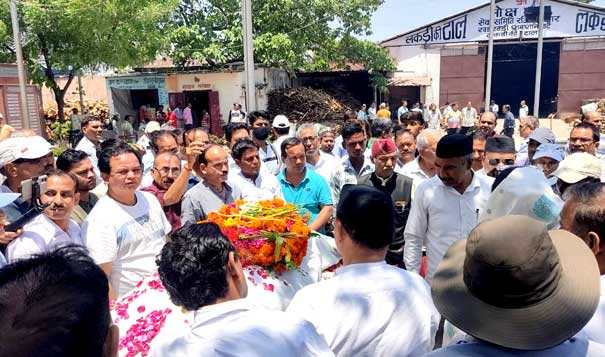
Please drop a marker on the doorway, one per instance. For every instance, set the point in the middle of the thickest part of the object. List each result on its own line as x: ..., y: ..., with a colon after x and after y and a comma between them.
x: 199, y: 103
x: 514, y: 75
x: 146, y: 97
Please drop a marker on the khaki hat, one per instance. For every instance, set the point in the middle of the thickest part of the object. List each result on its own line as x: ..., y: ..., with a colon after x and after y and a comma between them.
x: 577, y: 167
x: 517, y: 285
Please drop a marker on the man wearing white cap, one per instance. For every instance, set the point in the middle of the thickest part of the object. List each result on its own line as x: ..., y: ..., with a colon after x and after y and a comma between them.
x: 22, y: 159
x: 281, y: 130
x: 145, y: 143
x: 92, y: 128
x: 577, y: 168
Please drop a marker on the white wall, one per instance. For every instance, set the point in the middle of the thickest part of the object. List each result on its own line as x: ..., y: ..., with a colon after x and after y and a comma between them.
x: 418, y: 61
x: 230, y: 86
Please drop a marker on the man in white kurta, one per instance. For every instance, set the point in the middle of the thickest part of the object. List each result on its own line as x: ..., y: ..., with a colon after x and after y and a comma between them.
x: 252, y: 181
x: 446, y: 207
x: 369, y: 308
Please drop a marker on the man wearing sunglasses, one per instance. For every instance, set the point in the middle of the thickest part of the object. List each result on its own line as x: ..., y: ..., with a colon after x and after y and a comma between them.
x: 22, y: 159
x: 499, y: 154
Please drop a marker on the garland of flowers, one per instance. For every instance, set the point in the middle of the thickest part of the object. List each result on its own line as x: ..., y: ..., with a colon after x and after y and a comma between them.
x: 270, y: 233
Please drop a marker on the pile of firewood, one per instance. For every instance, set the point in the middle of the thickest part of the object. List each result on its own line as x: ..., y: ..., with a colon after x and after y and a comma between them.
x: 304, y: 104
x: 98, y: 109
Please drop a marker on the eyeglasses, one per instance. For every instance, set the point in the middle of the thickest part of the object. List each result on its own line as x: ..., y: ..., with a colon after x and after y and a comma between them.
x: 495, y: 162
x: 167, y: 170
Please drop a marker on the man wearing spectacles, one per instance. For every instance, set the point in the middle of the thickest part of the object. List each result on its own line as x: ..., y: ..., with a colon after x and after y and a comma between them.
x: 585, y: 137
x: 499, y: 154
x: 22, y: 159
x: 169, y: 184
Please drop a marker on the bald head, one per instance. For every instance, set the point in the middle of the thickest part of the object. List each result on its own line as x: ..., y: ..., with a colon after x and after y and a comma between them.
x: 487, y: 122
x: 166, y: 168
x: 428, y: 138
x: 593, y: 118
x: 214, y: 165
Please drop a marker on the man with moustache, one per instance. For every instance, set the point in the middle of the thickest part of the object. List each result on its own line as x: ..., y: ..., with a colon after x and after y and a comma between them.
x: 213, y: 191
x: 92, y: 128
x: 499, y: 154
x: 53, y: 227
x: 487, y: 123
x: 446, y: 207
x: 126, y: 229
x: 479, y: 141
x: 406, y: 145
x: 78, y: 163
x: 252, y: 182
x: 422, y: 167
x: 398, y: 187
x: 326, y: 137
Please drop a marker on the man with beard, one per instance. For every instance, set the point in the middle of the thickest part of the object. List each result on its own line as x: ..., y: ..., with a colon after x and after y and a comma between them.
x: 326, y: 136
x: 326, y: 165
x: 54, y: 227
x: 78, y: 163
x: 398, y: 187
x: 487, y: 123
x: 446, y: 207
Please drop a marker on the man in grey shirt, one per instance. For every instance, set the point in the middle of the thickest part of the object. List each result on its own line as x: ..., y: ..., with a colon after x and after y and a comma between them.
x: 213, y: 191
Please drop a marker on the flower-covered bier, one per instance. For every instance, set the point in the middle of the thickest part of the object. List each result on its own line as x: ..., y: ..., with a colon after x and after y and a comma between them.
x: 271, y: 233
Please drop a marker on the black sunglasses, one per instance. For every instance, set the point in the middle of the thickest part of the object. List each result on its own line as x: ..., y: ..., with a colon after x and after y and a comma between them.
x: 495, y: 162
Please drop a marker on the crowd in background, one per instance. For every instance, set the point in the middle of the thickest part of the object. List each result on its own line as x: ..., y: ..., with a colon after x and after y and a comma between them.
x: 450, y: 234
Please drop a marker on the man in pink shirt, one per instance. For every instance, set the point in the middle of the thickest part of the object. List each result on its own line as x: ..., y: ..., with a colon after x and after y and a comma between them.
x: 188, y: 117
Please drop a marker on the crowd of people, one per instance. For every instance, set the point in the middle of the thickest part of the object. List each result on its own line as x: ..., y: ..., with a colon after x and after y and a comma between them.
x: 454, y: 240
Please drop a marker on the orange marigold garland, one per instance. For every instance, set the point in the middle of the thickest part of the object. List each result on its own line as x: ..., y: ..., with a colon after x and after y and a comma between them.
x: 271, y: 233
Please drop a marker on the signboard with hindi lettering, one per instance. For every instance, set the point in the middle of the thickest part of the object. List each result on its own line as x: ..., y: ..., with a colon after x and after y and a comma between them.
x: 567, y: 20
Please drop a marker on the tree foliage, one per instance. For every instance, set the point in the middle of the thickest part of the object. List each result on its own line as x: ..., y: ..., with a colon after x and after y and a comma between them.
x: 291, y: 34
x: 66, y: 36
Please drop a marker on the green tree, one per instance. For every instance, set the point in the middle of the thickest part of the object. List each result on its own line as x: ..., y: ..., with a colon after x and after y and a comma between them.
x: 291, y: 34
x: 67, y: 36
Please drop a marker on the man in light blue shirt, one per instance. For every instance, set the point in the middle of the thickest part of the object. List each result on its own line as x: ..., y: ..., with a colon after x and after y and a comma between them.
x: 304, y: 187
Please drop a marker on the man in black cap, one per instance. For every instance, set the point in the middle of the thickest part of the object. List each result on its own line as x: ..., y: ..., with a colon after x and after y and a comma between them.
x: 446, y: 207
x: 499, y: 154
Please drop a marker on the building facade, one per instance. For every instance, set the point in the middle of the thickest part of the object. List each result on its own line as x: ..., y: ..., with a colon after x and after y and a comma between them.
x: 446, y: 61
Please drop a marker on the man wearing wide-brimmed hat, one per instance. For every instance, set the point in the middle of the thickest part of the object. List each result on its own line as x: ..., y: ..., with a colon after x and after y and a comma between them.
x: 518, y: 290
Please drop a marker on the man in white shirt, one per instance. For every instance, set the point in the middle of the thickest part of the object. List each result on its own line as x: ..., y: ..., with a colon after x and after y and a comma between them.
x: 406, y: 146
x: 201, y: 272
x: 92, y: 128
x: 499, y: 155
x: 126, y: 229
x: 53, y: 227
x: 281, y: 130
x: 369, y: 308
x: 356, y: 163
x: 469, y: 116
x: 527, y: 125
x: 523, y: 110
x: 583, y: 216
x: 446, y: 207
x: 422, y: 167
x: 326, y: 165
x: 494, y: 108
x: 253, y: 183
x: 237, y: 115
